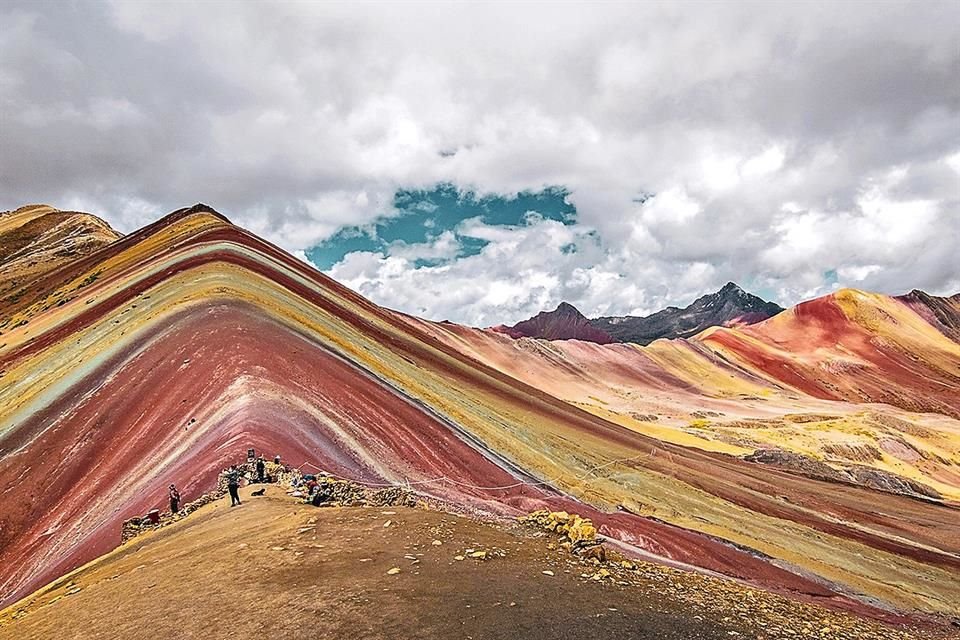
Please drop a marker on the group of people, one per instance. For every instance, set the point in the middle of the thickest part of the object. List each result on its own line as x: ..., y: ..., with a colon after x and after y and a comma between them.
x: 233, y: 477
x: 313, y: 488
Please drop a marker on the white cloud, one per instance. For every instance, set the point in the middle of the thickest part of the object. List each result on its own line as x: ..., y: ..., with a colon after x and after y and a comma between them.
x: 764, y: 163
x: 442, y: 247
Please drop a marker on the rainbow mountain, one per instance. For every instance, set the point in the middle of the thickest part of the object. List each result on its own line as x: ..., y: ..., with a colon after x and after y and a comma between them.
x: 816, y: 453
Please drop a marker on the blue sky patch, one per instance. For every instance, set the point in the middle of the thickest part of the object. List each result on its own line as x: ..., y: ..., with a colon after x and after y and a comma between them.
x: 420, y: 216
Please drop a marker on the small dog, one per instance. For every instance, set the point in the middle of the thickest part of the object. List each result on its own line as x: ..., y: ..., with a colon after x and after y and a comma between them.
x: 258, y: 492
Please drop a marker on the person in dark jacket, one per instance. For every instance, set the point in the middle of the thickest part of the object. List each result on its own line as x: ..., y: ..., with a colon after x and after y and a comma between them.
x: 174, y: 499
x: 261, y: 469
x: 233, y: 485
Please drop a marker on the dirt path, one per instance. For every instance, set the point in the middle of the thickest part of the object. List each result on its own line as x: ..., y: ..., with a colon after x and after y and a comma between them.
x: 274, y: 568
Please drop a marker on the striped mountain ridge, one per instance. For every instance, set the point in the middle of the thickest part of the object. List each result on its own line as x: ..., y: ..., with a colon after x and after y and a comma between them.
x: 162, y: 355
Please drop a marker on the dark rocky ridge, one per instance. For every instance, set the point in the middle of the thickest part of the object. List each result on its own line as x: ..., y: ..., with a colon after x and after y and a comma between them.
x: 730, y: 306
x: 869, y: 477
x: 941, y: 312
x: 563, y: 323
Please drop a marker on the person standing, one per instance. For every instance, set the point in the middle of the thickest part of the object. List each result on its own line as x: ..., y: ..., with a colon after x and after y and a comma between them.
x: 233, y: 485
x: 261, y: 468
x: 174, y: 499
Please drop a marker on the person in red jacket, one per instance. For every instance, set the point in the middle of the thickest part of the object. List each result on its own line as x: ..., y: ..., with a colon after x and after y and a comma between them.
x: 174, y: 499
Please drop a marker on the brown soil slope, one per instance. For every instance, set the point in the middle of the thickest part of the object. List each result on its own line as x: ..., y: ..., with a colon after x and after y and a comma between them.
x: 276, y: 568
x: 35, y: 241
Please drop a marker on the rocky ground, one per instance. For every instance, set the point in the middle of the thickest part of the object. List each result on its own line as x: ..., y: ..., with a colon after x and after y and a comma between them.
x: 275, y: 567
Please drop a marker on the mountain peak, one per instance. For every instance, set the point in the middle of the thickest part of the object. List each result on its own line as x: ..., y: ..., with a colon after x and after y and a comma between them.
x: 567, y: 309
x: 563, y: 323
x: 731, y: 287
x: 728, y: 307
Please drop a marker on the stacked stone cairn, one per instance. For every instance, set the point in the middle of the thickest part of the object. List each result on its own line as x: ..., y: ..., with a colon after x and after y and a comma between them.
x: 331, y: 491
x: 577, y: 535
x: 139, y: 524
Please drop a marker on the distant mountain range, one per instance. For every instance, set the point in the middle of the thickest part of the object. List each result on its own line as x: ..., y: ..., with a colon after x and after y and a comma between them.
x: 731, y: 306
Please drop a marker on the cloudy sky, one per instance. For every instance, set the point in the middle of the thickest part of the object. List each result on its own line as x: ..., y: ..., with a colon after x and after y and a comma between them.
x: 483, y: 162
